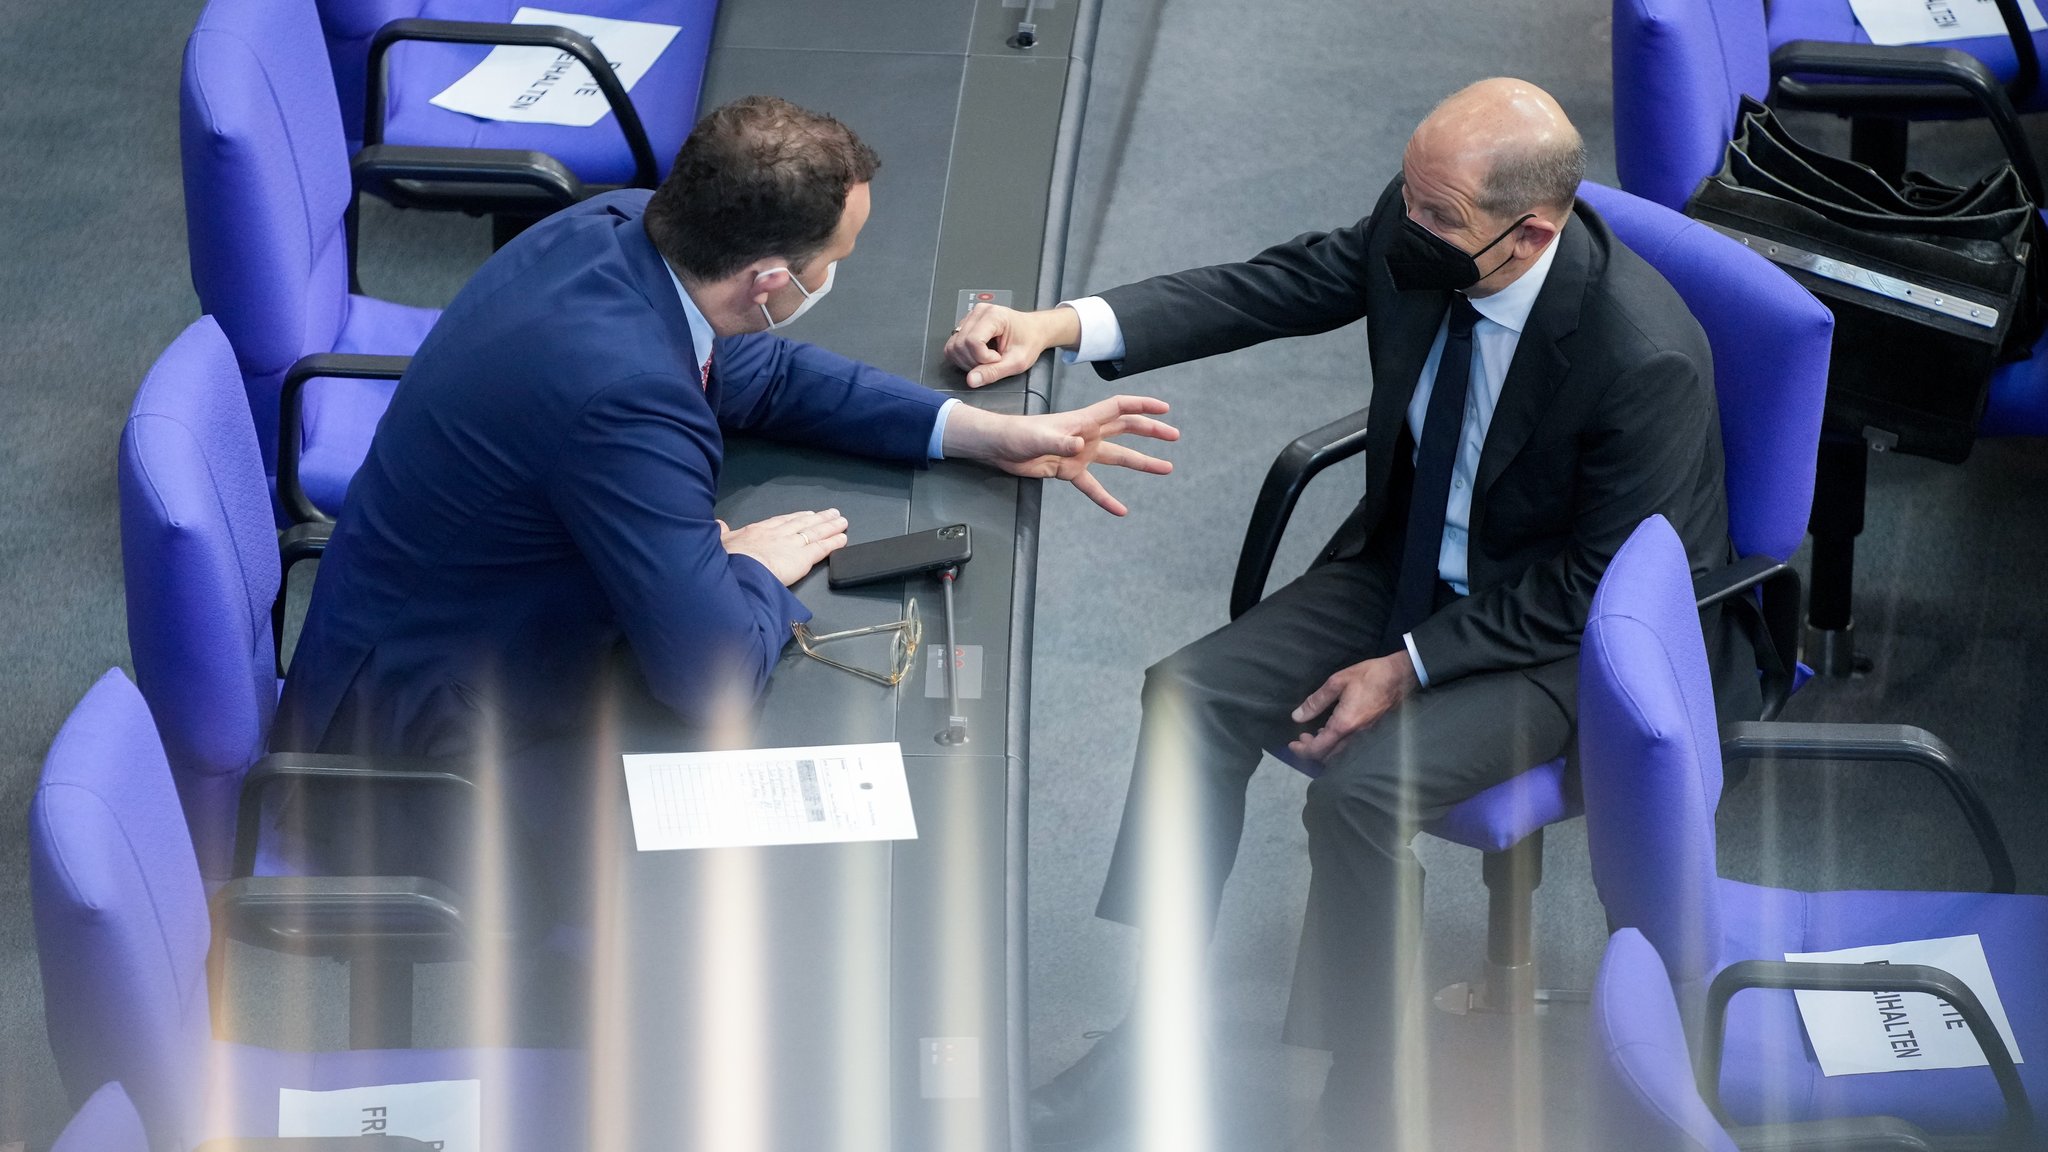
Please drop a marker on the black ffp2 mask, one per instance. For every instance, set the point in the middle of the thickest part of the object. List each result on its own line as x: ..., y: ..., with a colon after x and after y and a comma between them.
x: 1422, y: 261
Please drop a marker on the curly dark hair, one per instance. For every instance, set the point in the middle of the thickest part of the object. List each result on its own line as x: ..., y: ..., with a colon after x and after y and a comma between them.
x: 758, y: 177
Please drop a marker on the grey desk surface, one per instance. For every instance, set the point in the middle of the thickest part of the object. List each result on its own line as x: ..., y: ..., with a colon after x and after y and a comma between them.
x: 843, y: 996
x: 863, y: 996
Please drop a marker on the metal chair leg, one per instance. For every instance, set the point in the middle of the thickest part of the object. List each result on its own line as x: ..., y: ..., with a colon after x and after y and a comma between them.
x: 1841, y: 481
x: 1512, y: 878
x: 380, y: 1000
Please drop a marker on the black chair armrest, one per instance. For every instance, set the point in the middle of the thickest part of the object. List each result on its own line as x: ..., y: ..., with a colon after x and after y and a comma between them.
x: 1818, y: 977
x: 341, y: 915
x: 295, y: 545
x: 561, y: 39
x: 1290, y: 474
x: 316, y: 1144
x: 1889, y: 743
x: 302, y: 542
x: 1840, y: 1134
x: 1732, y: 580
x: 2027, y: 77
x: 415, y: 176
x: 280, y: 768
x: 1934, y: 77
x: 1776, y: 604
x: 291, y: 401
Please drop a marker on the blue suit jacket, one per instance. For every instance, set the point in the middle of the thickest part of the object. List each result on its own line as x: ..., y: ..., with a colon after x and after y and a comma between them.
x: 541, y: 488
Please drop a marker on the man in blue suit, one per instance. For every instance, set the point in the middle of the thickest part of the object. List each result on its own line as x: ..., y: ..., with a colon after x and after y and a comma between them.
x: 542, y: 485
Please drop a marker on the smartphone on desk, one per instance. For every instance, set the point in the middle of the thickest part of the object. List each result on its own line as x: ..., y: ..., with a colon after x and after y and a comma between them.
x: 914, y: 554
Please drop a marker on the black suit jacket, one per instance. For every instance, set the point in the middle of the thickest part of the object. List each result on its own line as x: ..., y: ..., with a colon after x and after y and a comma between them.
x: 1607, y: 415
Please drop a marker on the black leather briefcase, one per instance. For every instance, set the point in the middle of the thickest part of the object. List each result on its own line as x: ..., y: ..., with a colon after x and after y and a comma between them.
x: 1932, y: 285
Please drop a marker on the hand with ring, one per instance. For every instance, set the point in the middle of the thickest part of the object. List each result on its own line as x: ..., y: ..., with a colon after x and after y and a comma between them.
x: 789, y: 545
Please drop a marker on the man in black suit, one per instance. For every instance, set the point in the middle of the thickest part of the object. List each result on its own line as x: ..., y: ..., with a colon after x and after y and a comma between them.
x: 1537, y: 391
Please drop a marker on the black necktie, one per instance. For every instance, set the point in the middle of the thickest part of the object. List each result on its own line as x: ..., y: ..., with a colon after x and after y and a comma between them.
x: 1443, y: 428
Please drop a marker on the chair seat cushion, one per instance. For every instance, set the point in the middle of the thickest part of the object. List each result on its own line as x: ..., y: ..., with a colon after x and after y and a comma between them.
x: 1769, y: 1072
x: 1834, y: 20
x: 1500, y: 817
x: 2018, y: 404
x: 1497, y: 819
x: 533, y: 1098
x: 666, y: 97
x: 340, y: 415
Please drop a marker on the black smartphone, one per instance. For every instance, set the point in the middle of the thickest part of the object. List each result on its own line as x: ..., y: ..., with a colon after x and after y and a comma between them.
x: 899, y: 556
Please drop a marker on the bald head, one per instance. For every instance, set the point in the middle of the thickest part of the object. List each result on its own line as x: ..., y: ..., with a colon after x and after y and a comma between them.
x: 1510, y: 142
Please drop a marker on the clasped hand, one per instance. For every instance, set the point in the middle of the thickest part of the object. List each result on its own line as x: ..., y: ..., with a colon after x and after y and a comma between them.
x: 994, y: 342
x: 1355, y: 698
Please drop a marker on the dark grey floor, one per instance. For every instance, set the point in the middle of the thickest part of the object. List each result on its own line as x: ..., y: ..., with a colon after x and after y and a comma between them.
x: 1216, y: 128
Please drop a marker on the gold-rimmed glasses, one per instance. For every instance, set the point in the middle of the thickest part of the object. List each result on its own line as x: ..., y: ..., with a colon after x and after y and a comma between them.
x: 909, y: 632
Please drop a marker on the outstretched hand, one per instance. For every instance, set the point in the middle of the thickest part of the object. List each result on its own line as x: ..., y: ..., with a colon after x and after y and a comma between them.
x: 1062, y: 445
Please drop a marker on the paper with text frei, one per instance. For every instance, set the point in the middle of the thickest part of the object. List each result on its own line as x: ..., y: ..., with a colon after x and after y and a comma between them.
x: 1857, y: 1032
x: 447, y: 1114
x: 544, y: 86
x: 820, y: 795
x: 1932, y: 21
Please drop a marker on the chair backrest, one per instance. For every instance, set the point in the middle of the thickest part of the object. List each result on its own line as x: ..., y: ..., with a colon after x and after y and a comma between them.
x: 1650, y: 754
x: 1644, y: 1096
x: 1680, y: 69
x: 107, y: 1123
x: 199, y: 555
x: 267, y: 188
x: 1770, y: 339
x: 348, y: 26
x: 120, y: 914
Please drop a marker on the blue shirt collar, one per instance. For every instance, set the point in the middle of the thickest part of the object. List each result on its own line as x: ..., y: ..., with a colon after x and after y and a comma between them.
x: 1510, y: 307
x: 700, y: 329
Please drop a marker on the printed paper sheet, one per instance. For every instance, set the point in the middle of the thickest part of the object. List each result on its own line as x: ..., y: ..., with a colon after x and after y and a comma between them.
x: 544, y: 86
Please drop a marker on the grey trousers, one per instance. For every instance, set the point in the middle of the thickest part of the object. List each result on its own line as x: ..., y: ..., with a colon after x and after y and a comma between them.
x: 1210, y: 710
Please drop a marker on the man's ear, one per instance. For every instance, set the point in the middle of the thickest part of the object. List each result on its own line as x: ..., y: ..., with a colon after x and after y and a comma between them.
x: 766, y: 280
x: 1534, y: 234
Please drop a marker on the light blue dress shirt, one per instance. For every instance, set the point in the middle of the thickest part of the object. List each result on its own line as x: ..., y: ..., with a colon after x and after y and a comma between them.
x: 701, y: 335
x: 1502, y: 316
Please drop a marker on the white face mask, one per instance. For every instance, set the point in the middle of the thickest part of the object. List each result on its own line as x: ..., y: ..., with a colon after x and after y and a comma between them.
x: 810, y: 297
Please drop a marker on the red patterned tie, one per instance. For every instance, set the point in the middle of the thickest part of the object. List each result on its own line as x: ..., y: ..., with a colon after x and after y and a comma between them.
x: 707, y: 368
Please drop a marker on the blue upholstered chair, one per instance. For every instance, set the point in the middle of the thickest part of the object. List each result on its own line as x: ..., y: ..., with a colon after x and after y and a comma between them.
x: 106, y: 1122
x: 1651, y: 761
x: 391, y: 57
x: 203, y: 575
x: 123, y: 937
x: 1681, y: 68
x: 1770, y: 341
x: 267, y: 212
x: 1644, y: 1098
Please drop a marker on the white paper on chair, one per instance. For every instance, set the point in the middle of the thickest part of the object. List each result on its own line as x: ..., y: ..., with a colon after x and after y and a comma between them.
x: 544, y: 86
x: 445, y: 1113
x: 818, y: 795
x: 1858, y: 1032
x: 1932, y: 21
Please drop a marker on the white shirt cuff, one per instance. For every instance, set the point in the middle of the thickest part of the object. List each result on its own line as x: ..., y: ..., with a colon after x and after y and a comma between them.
x: 1102, y: 338
x: 1415, y: 658
x: 936, y: 450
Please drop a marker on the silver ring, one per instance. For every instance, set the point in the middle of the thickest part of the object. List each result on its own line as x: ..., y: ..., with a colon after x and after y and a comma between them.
x: 806, y: 536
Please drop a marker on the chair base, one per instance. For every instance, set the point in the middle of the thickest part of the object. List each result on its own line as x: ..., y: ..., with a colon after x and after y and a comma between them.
x: 1831, y: 652
x: 1517, y: 995
x: 1512, y: 876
